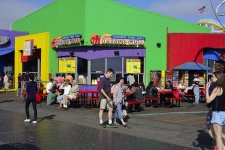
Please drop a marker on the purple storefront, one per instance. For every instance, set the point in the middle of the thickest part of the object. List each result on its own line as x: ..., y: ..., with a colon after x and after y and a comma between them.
x: 88, y: 63
x: 7, y: 45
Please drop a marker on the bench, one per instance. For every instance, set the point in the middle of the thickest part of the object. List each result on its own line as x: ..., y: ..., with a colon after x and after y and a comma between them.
x: 137, y: 105
x: 149, y: 101
x: 174, y: 99
x: 190, y: 97
x: 39, y: 97
x: 135, y: 102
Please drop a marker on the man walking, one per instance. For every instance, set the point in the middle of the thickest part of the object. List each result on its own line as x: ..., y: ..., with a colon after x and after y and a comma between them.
x: 105, y: 98
x: 31, y: 89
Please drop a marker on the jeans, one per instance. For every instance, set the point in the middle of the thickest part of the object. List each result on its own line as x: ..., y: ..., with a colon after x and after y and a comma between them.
x: 197, y: 95
x: 119, y: 111
x: 59, y: 98
x: 33, y: 101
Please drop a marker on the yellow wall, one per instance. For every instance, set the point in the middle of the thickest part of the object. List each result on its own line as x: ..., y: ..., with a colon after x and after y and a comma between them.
x: 41, y: 40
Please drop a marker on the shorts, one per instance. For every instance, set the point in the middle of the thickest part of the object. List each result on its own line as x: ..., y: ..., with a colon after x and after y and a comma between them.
x: 104, y: 103
x: 218, y: 117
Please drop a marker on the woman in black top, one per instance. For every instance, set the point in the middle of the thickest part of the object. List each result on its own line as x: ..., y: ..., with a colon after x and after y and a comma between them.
x: 217, y: 100
x: 31, y: 89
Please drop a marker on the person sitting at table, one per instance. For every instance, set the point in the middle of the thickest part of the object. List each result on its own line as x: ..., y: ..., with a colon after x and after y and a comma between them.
x: 196, y: 90
x: 181, y: 86
x: 66, y: 87
x: 134, y: 94
x: 59, y: 80
x: 52, y: 93
x: 151, y: 90
x: 72, y: 94
x: 69, y: 77
x: 169, y: 85
x: 49, y: 85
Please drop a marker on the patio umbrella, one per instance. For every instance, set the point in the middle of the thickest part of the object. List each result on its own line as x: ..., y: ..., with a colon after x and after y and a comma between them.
x: 192, y: 66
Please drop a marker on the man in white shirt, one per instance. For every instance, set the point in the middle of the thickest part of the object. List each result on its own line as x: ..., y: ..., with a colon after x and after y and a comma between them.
x: 130, y: 79
x: 49, y: 85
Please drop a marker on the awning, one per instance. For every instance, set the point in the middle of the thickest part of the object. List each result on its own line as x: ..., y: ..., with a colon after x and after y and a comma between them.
x: 192, y: 66
x: 214, y: 54
x: 4, y: 52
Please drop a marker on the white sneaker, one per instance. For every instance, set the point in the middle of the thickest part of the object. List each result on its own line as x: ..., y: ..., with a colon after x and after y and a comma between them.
x: 27, y: 120
x: 34, y: 122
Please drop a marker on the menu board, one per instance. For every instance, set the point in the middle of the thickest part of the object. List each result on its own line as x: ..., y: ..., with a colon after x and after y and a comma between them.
x: 133, y: 66
x: 67, y: 64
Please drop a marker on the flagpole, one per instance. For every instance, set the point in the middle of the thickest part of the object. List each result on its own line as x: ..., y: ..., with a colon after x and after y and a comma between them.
x: 205, y: 12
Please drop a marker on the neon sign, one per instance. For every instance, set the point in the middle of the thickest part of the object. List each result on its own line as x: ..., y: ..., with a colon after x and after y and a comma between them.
x: 66, y: 41
x: 117, y: 40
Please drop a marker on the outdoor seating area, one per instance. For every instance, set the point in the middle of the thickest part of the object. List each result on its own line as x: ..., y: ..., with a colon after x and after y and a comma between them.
x: 90, y: 99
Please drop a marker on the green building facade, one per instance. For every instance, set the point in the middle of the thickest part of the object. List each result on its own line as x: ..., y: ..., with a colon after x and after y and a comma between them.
x: 67, y: 17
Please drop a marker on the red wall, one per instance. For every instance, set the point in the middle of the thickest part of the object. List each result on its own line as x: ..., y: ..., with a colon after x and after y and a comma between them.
x: 184, y: 47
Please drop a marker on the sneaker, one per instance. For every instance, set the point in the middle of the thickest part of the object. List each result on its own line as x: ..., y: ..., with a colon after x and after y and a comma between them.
x: 112, y: 126
x: 102, y: 125
x: 115, y: 123
x: 34, y: 122
x: 27, y: 120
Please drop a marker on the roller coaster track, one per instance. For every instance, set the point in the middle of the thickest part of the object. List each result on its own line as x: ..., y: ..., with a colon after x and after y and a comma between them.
x: 211, y: 23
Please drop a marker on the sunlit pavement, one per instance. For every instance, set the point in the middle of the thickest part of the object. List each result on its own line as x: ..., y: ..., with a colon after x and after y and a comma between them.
x: 77, y: 128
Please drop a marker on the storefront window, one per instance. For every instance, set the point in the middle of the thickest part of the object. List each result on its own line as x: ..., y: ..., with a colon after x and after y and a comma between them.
x: 67, y: 65
x: 115, y: 63
x: 135, y: 67
x: 98, y: 65
x: 97, y: 70
x: 82, y: 70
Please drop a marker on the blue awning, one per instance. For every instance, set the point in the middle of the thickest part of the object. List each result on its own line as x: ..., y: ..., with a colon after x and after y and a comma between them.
x: 213, y: 54
x: 3, y: 52
x: 192, y: 66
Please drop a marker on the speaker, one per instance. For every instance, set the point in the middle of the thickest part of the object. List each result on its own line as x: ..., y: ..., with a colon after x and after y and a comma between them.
x: 158, y: 45
x: 117, y: 53
x: 71, y: 54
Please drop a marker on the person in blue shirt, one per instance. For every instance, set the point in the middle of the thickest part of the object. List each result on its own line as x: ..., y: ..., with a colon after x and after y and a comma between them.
x: 31, y: 89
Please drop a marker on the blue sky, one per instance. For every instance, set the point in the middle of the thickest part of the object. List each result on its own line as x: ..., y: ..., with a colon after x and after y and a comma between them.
x: 187, y: 10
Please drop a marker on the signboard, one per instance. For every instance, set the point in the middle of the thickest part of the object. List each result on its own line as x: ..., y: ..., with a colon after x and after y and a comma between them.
x: 133, y: 66
x: 28, y: 48
x: 4, y: 40
x: 117, y: 40
x: 67, y: 65
x: 66, y: 41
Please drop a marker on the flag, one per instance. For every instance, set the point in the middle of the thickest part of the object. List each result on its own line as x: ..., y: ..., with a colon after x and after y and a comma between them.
x: 201, y: 10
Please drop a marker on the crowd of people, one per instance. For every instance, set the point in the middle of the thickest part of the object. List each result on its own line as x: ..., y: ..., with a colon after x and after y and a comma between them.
x: 113, y: 96
x: 62, y: 90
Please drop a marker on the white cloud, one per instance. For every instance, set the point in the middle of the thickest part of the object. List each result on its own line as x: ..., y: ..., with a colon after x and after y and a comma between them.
x: 12, y: 10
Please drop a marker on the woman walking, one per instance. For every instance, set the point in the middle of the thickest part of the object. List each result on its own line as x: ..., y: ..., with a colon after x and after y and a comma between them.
x: 118, y: 99
x: 31, y: 89
x: 217, y: 100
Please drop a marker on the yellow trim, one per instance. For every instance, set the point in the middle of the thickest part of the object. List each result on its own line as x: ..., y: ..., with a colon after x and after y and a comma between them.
x: 215, y: 25
x: 41, y: 40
